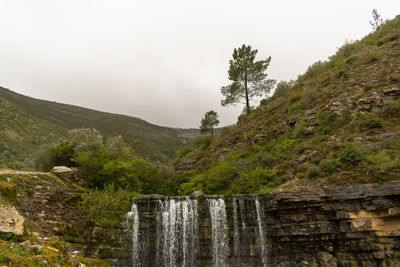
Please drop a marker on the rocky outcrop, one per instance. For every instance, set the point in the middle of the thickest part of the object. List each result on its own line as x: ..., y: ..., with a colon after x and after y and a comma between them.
x: 11, y: 221
x: 312, y: 226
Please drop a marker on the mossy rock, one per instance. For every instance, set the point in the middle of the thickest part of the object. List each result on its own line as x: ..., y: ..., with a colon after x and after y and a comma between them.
x: 8, y: 191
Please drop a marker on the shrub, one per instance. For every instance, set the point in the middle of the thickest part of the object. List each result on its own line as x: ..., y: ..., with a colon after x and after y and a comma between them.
x: 371, y: 121
x: 309, y: 97
x: 381, y: 162
x: 367, y: 87
x: 293, y: 97
x: 218, y: 179
x: 392, y: 110
x: 59, y: 154
x: 4, y: 258
x: 184, y: 151
x: 313, y: 171
x: 19, y: 250
x: 329, y: 166
x: 295, y: 107
x: 251, y: 181
x: 394, y: 77
x: 352, y: 154
x: 283, y: 88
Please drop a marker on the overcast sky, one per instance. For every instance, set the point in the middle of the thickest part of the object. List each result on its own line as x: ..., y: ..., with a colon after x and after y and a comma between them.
x: 165, y: 61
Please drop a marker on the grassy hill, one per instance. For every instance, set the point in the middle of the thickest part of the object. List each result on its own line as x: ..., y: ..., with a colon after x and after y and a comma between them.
x: 27, y: 123
x: 338, y: 123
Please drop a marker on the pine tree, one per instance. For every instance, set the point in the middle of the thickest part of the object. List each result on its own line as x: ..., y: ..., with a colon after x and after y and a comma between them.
x: 249, y: 77
x: 208, y: 122
x: 377, y: 20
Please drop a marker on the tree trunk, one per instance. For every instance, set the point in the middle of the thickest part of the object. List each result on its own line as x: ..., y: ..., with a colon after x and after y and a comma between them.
x: 212, y: 131
x: 247, y: 93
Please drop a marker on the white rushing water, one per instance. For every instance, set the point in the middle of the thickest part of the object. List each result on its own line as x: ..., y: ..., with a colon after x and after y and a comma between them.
x: 133, y: 217
x: 175, y: 240
x: 236, y: 237
x: 219, y: 228
x: 261, y: 232
x: 179, y: 226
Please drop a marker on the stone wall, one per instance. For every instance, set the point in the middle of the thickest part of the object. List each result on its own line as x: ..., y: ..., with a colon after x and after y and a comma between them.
x: 330, y: 226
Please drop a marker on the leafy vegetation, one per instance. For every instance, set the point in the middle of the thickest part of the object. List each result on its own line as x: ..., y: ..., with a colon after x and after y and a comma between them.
x: 249, y: 77
x: 326, y: 127
x: 27, y: 123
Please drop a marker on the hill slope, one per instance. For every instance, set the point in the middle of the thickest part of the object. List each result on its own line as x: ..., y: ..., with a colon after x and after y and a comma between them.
x: 27, y: 123
x: 339, y: 123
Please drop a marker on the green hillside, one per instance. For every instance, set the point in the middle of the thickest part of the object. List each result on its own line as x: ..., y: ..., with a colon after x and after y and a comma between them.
x: 338, y: 123
x: 27, y: 123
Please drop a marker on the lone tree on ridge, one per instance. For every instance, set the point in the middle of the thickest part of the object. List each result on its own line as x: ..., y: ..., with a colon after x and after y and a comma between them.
x: 208, y: 122
x: 249, y: 77
x: 377, y: 20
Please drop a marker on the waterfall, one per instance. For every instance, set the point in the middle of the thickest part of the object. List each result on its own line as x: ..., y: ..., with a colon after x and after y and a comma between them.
x: 179, y: 229
x: 169, y: 233
x: 261, y: 232
x: 133, y: 216
x: 219, y: 229
x: 236, y: 237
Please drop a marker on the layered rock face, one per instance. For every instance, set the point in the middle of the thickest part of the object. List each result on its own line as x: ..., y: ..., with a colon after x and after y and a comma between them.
x: 330, y: 226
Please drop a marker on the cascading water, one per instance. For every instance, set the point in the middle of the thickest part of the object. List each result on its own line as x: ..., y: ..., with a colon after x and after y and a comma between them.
x: 236, y: 237
x: 179, y: 229
x: 170, y: 231
x: 133, y: 218
x: 219, y: 228
x: 261, y: 232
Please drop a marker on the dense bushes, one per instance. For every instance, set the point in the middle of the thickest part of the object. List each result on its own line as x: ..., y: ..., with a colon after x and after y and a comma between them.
x: 352, y: 154
x: 102, y: 163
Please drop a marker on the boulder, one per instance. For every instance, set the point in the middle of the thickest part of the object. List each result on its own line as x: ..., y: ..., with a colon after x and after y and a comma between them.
x: 63, y: 171
x: 11, y: 221
x: 197, y: 194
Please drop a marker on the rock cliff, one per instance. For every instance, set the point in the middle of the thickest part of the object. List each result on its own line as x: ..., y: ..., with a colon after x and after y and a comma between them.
x: 315, y: 226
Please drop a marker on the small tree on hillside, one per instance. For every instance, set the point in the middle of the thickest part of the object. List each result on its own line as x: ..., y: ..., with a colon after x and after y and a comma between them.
x: 208, y: 122
x: 249, y: 77
x: 377, y: 20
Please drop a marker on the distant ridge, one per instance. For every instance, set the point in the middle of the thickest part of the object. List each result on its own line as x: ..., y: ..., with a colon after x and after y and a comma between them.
x: 26, y: 123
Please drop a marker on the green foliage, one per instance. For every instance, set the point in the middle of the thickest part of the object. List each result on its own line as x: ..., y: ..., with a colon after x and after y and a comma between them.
x: 209, y: 121
x: 352, y: 154
x: 36, y: 123
x: 19, y: 250
x: 253, y: 180
x: 370, y: 121
x: 105, y: 207
x: 184, y: 151
x: 8, y: 191
x: 381, y: 162
x: 283, y: 88
x: 313, y: 171
x: 4, y: 258
x: 309, y: 97
x: 394, y: 77
x: 37, y: 250
x: 249, y: 77
x: 294, y: 96
x: 295, y: 107
x: 367, y: 87
x: 329, y: 166
x: 58, y: 155
x: 392, y: 110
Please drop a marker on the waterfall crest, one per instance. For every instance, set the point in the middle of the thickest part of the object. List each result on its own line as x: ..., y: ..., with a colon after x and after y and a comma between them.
x: 219, y: 228
x: 207, y: 231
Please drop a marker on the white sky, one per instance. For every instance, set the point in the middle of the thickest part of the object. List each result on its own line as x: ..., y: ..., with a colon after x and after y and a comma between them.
x: 165, y: 61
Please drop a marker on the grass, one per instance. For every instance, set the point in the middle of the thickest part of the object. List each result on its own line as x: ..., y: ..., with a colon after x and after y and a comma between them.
x: 344, y: 147
x: 27, y: 123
